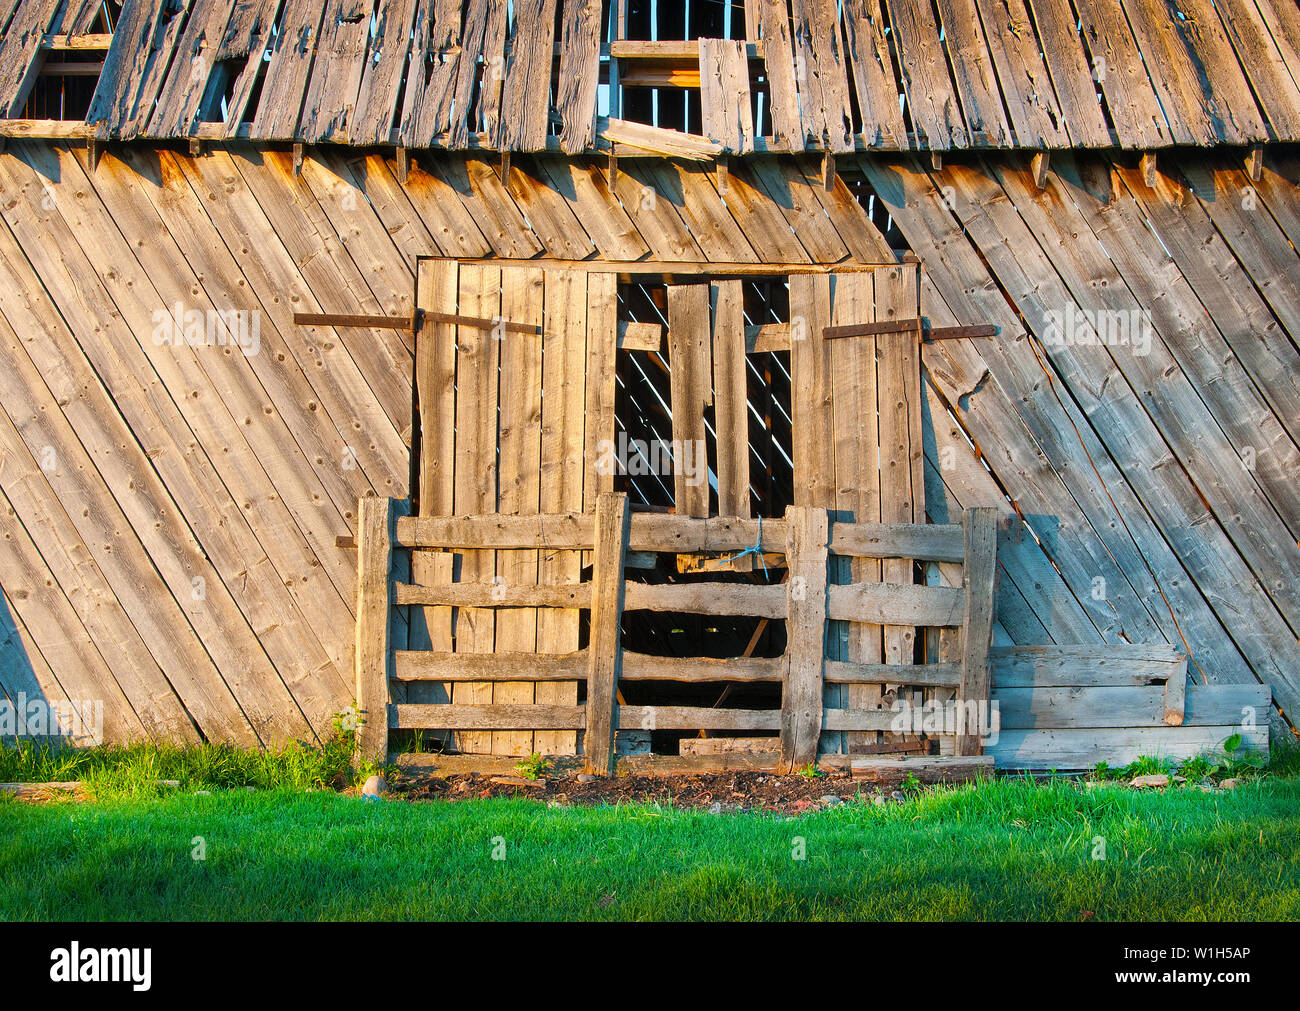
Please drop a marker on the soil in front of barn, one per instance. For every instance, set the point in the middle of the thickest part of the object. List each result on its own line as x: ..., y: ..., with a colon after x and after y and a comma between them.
x: 717, y: 792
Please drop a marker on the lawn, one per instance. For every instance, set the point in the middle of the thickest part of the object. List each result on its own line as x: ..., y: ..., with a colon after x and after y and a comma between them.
x: 1004, y: 850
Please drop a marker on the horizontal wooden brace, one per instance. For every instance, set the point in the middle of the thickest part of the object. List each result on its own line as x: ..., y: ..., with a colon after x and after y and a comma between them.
x: 927, y: 675
x: 411, y: 322
x: 916, y: 324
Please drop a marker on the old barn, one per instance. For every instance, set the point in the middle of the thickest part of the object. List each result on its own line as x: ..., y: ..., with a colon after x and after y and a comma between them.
x: 710, y: 384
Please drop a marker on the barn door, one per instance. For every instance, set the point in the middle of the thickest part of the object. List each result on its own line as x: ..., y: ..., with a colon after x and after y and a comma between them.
x: 509, y: 422
x: 857, y: 446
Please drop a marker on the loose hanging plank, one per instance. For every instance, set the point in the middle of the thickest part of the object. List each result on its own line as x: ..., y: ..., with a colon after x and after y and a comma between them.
x: 883, y: 126
x: 936, y: 113
x: 1036, y: 115
x: 579, y: 74
x: 724, y: 95
x: 186, y: 90
x: 372, y: 120
x: 286, y: 75
x: 335, y: 81
x: 246, y: 36
x: 21, y: 54
x: 820, y: 75
x: 526, y: 89
x: 139, y: 30
x: 782, y: 88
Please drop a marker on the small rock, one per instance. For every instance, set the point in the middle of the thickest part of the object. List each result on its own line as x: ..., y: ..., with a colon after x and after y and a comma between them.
x: 1230, y: 784
x: 586, y: 777
x: 1156, y: 780
x: 374, y: 786
x: 831, y: 800
x: 716, y: 808
x: 878, y: 799
x: 1180, y: 779
x: 898, y: 795
x: 203, y: 793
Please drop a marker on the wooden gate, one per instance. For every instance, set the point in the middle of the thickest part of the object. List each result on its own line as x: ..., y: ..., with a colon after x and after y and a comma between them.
x: 807, y: 602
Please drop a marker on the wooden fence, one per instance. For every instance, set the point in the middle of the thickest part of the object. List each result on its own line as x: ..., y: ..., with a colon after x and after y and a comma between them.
x: 805, y: 601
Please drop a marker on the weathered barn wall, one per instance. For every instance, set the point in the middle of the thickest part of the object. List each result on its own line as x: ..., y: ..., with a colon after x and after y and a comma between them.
x: 172, y: 511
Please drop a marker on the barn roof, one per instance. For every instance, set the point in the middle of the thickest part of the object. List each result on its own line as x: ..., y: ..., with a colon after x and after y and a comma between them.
x: 793, y: 76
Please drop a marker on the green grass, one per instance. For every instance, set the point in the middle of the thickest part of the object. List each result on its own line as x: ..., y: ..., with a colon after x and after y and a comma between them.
x: 1008, y: 849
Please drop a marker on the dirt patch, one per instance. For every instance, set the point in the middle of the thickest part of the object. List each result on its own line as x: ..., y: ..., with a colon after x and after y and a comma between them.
x: 719, y: 791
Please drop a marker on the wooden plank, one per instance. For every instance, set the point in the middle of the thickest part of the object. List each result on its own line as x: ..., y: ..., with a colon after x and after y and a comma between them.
x: 931, y: 101
x: 644, y: 667
x: 436, y: 59
x: 601, y: 382
x: 692, y: 391
x: 820, y: 75
x: 375, y: 523
x: 186, y: 93
x: 478, y: 356
x: 483, y: 595
x: 125, y: 67
x: 526, y: 88
x: 858, y: 673
x: 699, y: 718
x: 1076, y: 708
x: 478, y: 721
x: 806, y: 602
x: 247, y: 35
x: 657, y: 140
x: 605, y: 652
x: 475, y: 183
x: 1071, y: 74
x: 520, y: 459
x: 594, y: 203
x: 730, y: 746
x: 782, y: 87
x: 705, y: 598
x: 285, y: 82
x: 731, y: 390
x: 579, y: 74
x: 564, y: 358
x: 21, y: 55
x: 980, y: 525
x: 725, y: 105
x: 1118, y: 67
x: 502, y: 666
x: 895, y: 603
x: 936, y: 542
x: 796, y: 197
x: 1112, y: 664
x: 1026, y: 85
x: 894, y: 771
x: 811, y: 384
x: 376, y: 107
x: 1174, y: 701
x: 876, y: 86
x: 1083, y: 749
x: 973, y: 71
x: 485, y: 21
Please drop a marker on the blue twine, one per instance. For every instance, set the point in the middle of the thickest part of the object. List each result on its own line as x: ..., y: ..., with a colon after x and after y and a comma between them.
x: 755, y: 549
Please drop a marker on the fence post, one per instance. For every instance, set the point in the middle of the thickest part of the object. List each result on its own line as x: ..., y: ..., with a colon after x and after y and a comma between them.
x: 605, y: 652
x: 801, y: 697
x: 980, y: 526
x: 376, y: 519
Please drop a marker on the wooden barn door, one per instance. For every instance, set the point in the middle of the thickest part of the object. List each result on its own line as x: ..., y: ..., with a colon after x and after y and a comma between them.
x: 508, y: 423
x: 857, y: 445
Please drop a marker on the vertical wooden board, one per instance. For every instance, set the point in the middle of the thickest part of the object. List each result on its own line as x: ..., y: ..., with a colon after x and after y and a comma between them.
x: 901, y: 447
x: 1117, y: 66
x: 436, y: 56
x: 801, y: 697
x: 246, y: 37
x: 820, y: 75
x: 877, y: 88
x: 981, y: 534
x: 579, y: 74
x: 782, y: 88
x: 374, y: 652
x: 485, y: 31
x: 857, y: 478
x: 613, y: 523
x: 810, y: 391
x: 520, y: 480
x: 376, y: 106
x: 526, y: 91
x: 691, y: 389
x: 731, y: 399
x: 438, y: 289
x: 186, y: 87
x: 931, y: 101
x: 477, y: 364
x: 601, y: 377
x: 564, y: 360
x: 728, y: 117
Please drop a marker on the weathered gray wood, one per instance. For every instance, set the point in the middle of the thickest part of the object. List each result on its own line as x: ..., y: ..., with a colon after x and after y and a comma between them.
x: 20, y: 53
x: 877, y: 88
x: 697, y: 718
x: 375, y: 521
x: 1084, y: 748
x: 494, y: 595
x: 935, y: 542
x: 850, y: 672
x: 731, y: 390
x: 980, y: 525
x: 644, y: 667
x: 376, y: 105
x: 707, y: 598
x: 730, y: 746
x: 801, y: 699
x: 724, y: 95
x: 782, y: 88
x: 485, y: 717
x: 526, y: 87
x: 579, y: 74
x: 1175, y: 701
x: 1097, y: 665
x: 1078, y: 708
x: 689, y: 341
x: 605, y: 652
x: 897, y: 604
x: 820, y: 75
x: 423, y: 665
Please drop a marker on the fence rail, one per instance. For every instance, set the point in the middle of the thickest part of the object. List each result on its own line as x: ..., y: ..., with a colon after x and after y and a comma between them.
x: 805, y: 601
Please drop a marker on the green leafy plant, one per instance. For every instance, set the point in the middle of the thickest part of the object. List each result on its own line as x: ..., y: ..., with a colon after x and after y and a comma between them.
x: 533, y: 766
x: 1102, y: 770
x: 911, y: 784
x: 1147, y: 765
x: 810, y: 771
